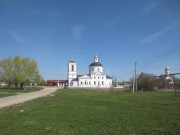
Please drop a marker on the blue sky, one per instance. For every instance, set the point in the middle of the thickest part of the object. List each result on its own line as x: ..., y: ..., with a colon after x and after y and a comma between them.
x: 121, y: 32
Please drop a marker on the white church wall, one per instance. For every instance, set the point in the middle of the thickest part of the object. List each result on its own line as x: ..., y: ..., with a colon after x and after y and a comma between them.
x: 95, y: 69
x: 75, y: 84
x: 84, y: 82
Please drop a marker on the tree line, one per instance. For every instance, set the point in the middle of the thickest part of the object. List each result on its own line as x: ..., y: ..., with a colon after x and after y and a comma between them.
x: 19, y: 71
x: 148, y: 82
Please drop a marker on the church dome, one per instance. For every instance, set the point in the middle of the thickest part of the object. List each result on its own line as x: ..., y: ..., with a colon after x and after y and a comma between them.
x: 96, y: 64
x: 72, y: 61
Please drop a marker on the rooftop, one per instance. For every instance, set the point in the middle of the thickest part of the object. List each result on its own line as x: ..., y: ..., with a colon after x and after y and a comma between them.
x: 95, y: 64
x: 72, y: 61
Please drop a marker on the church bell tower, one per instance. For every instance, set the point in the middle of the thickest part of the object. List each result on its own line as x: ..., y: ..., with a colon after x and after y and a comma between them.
x: 72, y: 73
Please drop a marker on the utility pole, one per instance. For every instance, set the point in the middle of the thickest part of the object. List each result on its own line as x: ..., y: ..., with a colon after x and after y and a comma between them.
x: 135, y: 79
x: 133, y: 83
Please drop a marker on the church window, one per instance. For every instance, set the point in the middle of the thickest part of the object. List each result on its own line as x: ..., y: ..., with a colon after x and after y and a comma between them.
x: 85, y: 82
x: 102, y: 77
x: 98, y: 77
x: 89, y: 83
x: 72, y: 68
x: 94, y: 77
x: 98, y: 69
x: 94, y: 82
x: 81, y: 82
x: 102, y: 83
x: 92, y: 69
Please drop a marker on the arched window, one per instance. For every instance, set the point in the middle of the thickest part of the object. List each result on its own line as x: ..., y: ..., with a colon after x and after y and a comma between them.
x: 72, y: 68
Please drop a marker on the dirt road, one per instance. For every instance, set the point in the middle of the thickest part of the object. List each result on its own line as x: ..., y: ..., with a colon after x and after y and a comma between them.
x: 12, y: 100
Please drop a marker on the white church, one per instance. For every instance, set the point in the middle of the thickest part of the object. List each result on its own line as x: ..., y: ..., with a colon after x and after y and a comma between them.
x: 95, y: 79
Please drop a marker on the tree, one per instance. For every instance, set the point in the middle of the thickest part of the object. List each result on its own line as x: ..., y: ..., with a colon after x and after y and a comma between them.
x: 7, y: 72
x: 177, y: 83
x: 131, y: 82
x: 19, y: 71
x: 145, y: 82
x: 29, y: 71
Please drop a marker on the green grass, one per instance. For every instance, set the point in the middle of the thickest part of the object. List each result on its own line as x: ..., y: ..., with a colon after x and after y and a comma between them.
x: 78, y: 112
x: 4, y: 92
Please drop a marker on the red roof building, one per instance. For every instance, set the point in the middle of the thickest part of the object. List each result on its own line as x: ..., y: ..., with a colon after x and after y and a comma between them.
x: 56, y: 82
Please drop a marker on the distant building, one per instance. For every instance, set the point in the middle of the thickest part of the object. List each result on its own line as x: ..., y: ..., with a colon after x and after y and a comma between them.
x: 122, y: 85
x: 56, y: 82
x: 95, y: 78
x: 2, y: 84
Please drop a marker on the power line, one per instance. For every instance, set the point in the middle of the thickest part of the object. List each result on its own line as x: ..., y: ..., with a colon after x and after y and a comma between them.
x: 169, y: 52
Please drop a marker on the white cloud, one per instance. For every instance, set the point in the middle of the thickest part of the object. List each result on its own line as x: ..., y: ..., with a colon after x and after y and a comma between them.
x: 17, y: 37
x: 148, y: 7
x: 157, y: 34
x: 77, y: 31
x: 51, y: 27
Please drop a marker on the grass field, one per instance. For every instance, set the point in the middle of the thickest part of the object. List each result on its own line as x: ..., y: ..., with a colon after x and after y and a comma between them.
x: 78, y: 112
x: 4, y: 92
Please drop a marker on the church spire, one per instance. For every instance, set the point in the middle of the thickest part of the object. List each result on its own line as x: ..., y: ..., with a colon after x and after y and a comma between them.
x: 96, y: 58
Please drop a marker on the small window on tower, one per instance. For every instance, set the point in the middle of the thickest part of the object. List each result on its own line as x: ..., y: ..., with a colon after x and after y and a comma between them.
x: 72, y: 68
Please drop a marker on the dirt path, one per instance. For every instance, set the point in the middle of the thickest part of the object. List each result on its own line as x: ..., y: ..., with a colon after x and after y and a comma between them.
x: 12, y: 100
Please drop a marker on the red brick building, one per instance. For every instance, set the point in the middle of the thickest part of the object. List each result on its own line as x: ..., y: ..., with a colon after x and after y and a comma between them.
x: 56, y: 82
